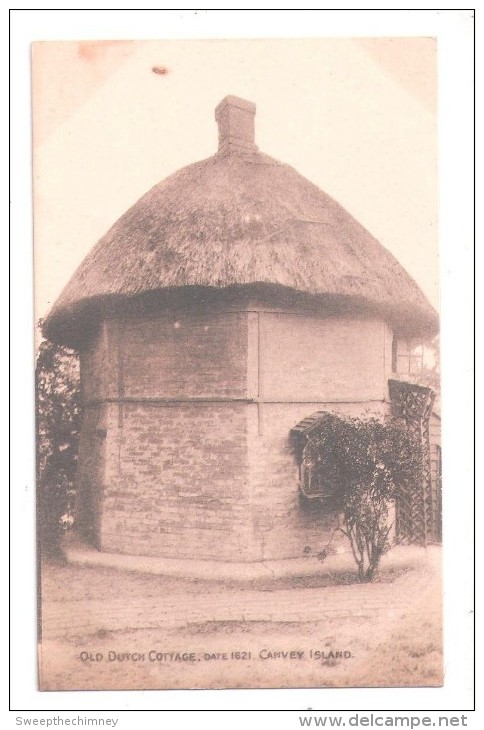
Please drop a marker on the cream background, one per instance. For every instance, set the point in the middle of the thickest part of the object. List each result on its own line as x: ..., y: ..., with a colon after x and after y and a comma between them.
x: 355, y: 116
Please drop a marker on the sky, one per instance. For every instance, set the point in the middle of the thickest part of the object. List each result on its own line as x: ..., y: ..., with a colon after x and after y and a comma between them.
x: 355, y: 116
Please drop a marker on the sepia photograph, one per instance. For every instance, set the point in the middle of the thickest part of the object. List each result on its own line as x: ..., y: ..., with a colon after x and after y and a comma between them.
x: 238, y: 403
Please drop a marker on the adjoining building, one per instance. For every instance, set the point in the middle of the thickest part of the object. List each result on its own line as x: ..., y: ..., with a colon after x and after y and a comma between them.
x: 229, y: 304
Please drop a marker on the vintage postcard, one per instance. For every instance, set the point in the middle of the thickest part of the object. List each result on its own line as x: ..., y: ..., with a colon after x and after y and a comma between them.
x: 238, y: 390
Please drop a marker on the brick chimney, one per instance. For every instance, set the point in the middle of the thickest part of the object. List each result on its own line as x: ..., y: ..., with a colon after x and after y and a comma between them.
x: 235, y: 119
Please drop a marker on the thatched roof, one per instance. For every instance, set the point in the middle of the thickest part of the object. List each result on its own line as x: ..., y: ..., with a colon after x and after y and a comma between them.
x: 241, y: 219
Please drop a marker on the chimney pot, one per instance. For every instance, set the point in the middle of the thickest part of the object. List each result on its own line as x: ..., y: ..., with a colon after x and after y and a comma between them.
x: 235, y: 118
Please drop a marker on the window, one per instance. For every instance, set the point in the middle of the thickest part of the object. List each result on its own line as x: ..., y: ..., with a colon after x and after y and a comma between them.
x: 310, y: 481
x: 315, y: 485
x: 407, y: 356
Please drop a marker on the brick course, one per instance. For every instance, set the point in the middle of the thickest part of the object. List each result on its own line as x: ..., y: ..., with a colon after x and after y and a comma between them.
x: 185, y: 449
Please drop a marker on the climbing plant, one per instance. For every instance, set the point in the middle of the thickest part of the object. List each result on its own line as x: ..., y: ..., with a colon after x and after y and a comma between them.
x: 57, y: 431
x: 364, y: 465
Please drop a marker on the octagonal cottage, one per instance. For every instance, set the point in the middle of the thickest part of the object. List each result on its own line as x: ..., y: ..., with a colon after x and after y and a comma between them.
x: 229, y: 304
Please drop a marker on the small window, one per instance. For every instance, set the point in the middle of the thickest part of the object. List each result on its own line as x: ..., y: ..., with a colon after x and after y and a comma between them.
x: 315, y: 484
x: 310, y: 480
x: 407, y: 356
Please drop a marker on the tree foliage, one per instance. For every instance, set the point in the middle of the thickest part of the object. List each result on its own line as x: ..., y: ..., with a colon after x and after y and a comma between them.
x: 363, y: 465
x: 57, y: 426
x: 430, y: 375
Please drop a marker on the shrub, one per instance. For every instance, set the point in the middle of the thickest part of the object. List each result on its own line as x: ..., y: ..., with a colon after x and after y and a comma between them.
x: 364, y: 465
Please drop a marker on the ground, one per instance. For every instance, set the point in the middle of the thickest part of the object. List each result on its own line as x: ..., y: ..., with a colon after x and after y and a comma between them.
x: 104, y: 628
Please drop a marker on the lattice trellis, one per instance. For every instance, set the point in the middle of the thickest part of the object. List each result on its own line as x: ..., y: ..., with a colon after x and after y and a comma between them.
x: 416, y: 520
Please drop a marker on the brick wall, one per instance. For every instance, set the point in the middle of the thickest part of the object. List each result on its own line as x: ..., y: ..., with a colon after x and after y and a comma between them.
x: 91, y: 472
x: 304, y: 357
x: 192, y: 457
x: 93, y: 363
x: 282, y: 528
x: 178, y: 485
x: 182, y: 356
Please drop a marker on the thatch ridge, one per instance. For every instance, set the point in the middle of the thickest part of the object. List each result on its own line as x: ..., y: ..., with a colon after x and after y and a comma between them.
x: 242, y: 220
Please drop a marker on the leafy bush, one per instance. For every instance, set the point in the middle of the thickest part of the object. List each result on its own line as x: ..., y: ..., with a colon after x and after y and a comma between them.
x: 57, y: 425
x: 364, y: 465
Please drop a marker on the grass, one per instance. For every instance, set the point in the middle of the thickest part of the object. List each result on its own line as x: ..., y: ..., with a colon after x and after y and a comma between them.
x: 391, y: 630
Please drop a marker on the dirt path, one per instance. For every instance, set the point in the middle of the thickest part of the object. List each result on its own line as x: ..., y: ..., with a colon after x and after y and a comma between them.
x: 236, y: 635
